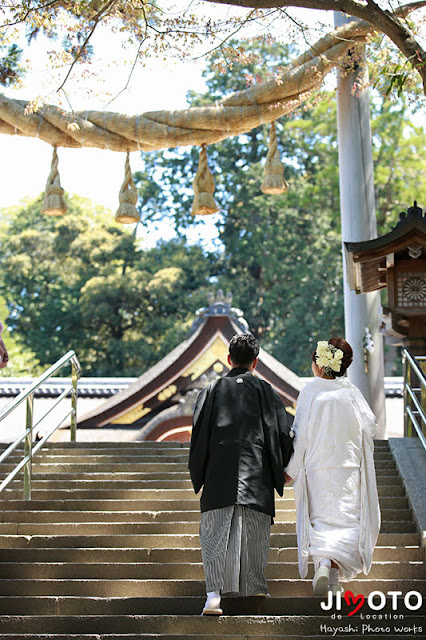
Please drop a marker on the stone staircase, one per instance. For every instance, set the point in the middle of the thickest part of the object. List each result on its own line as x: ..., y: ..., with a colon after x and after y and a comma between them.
x: 108, y: 548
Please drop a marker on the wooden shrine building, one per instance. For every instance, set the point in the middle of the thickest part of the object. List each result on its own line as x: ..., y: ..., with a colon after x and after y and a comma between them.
x: 396, y: 261
x: 160, y: 402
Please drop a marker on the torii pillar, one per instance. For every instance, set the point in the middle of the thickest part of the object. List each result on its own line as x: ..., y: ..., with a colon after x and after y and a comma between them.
x: 358, y: 216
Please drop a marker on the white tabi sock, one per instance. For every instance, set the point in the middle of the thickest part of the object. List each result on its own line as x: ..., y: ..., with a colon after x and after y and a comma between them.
x: 325, y: 562
x: 212, y: 606
x: 213, y: 599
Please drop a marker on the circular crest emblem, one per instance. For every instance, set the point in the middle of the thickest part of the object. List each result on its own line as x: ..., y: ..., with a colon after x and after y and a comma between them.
x: 415, y: 289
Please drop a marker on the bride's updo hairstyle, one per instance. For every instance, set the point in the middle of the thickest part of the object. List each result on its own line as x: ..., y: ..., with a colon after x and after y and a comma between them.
x: 346, y: 348
x: 348, y: 355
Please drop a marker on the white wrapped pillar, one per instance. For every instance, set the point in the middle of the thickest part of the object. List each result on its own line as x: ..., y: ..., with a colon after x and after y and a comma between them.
x: 357, y: 205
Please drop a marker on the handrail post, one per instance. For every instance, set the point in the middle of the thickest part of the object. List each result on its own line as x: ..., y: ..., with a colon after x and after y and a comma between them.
x: 406, y: 367
x: 28, y: 445
x: 27, y: 396
x: 74, y: 393
x: 422, y: 366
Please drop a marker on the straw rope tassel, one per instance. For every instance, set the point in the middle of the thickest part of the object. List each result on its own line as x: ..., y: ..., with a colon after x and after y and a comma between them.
x: 54, y: 203
x: 128, y: 197
x: 203, y: 185
x: 274, y: 181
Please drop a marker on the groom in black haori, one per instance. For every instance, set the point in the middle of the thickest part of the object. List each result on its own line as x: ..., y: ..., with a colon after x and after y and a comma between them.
x: 241, y: 442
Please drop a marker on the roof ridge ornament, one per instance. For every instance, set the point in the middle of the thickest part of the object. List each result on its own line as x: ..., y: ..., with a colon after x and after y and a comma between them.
x: 219, y: 305
x: 412, y: 212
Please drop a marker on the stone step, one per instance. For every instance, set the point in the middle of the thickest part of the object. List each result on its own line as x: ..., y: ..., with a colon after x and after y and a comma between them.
x: 172, y: 555
x: 159, y: 458
x: 113, y: 499
x: 145, y: 444
x: 133, y: 528
x: 187, y: 605
x: 116, y: 504
x: 99, y: 474
x: 167, y: 636
x: 142, y: 480
x: 152, y: 489
x: 179, y: 571
x: 246, y: 626
x: 386, y: 487
x: 87, y: 466
x: 88, y: 483
x: 129, y: 449
x: 48, y: 516
x: 287, y: 502
x: 113, y: 528
x: 137, y: 459
x: 116, y: 467
x: 157, y: 479
x: 149, y: 447
x: 142, y: 444
x: 146, y: 559
x: 77, y: 484
x: 56, y: 517
x: 168, y: 541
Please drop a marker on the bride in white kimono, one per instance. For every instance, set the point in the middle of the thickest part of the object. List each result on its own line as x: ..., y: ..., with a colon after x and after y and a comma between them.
x: 337, y: 507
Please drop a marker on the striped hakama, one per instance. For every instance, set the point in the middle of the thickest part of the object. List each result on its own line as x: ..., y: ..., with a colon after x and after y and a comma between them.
x: 235, y: 546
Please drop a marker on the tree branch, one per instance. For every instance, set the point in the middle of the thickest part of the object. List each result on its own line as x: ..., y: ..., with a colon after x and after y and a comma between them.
x: 387, y: 22
x: 96, y: 20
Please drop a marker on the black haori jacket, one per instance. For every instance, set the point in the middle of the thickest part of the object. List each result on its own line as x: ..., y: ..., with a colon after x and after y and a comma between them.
x: 240, y: 443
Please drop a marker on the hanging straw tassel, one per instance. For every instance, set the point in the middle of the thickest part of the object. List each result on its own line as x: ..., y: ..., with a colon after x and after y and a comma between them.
x: 54, y: 203
x: 274, y: 181
x: 127, y: 212
x: 203, y: 185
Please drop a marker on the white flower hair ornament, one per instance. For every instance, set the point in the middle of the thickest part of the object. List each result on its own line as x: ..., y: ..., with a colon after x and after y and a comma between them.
x: 328, y: 357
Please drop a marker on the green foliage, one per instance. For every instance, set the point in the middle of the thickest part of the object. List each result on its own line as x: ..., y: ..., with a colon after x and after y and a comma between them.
x: 393, y: 74
x: 22, y: 361
x: 81, y: 281
x: 399, y: 160
x: 281, y: 255
x: 161, y: 30
x: 11, y: 69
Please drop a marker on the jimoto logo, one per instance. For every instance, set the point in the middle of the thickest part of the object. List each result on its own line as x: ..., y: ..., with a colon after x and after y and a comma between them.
x: 376, y: 601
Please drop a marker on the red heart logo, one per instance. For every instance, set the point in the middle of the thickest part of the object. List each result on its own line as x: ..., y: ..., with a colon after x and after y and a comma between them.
x: 351, y: 599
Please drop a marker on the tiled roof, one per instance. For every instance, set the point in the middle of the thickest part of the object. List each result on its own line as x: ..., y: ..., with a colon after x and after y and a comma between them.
x: 87, y: 387
x: 107, y: 387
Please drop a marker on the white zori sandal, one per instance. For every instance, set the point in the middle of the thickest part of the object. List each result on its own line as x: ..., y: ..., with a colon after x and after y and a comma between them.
x: 320, y: 581
x: 212, y: 606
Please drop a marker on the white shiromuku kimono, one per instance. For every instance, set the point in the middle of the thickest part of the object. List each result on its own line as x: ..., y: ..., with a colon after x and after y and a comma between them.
x: 337, y: 506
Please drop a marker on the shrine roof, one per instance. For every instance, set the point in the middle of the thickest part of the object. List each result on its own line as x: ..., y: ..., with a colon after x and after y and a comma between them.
x: 190, y: 366
x: 367, y: 261
x: 410, y: 228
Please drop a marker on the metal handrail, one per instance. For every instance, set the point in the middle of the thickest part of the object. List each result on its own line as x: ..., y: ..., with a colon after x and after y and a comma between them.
x: 27, y: 395
x: 414, y: 397
x: 416, y: 427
